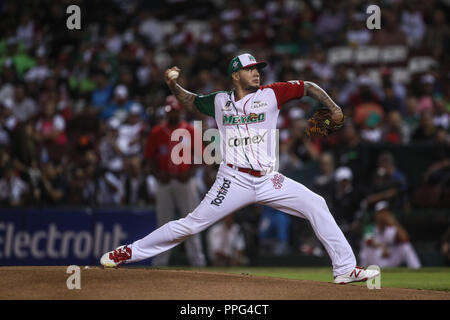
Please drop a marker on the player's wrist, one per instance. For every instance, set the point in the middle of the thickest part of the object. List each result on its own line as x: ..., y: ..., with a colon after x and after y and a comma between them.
x: 337, y: 115
x: 172, y: 84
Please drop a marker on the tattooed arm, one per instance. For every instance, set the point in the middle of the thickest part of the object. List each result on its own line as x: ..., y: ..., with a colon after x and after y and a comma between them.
x: 316, y: 92
x: 185, y: 97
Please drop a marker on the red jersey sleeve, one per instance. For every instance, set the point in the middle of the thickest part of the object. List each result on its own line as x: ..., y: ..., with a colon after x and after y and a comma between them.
x: 285, y: 91
x: 151, y: 144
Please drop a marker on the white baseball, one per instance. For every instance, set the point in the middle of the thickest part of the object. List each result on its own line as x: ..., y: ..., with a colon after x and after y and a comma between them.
x: 172, y: 75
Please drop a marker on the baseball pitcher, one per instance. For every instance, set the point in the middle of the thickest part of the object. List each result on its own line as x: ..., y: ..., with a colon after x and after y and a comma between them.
x: 245, y: 116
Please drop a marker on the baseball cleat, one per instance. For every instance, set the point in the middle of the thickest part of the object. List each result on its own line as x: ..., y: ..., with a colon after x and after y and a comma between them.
x: 116, y: 257
x: 356, y: 275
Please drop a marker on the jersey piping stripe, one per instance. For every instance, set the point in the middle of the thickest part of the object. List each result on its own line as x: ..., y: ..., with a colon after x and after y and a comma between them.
x: 237, y: 113
x: 251, y: 148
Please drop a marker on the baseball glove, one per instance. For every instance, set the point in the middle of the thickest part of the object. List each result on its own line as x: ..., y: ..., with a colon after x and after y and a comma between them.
x: 322, y: 124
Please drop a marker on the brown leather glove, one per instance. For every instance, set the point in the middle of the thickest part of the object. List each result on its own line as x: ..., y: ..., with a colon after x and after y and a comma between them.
x: 322, y: 124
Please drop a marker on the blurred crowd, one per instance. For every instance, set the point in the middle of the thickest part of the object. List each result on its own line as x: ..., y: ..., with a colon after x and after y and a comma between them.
x: 76, y: 106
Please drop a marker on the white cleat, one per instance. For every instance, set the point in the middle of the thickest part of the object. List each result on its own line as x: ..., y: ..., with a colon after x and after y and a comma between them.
x: 115, y: 258
x: 356, y: 275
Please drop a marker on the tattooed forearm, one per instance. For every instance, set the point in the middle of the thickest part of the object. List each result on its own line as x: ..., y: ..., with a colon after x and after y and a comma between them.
x: 316, y: 92
x: 185, y: 97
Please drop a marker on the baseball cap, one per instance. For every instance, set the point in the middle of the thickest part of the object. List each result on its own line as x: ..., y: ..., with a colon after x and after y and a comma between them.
x: 121, y: 91
x: 135, y: 109
x: 114, y: 123
x: 7, y: 103
x: 381, y: 205
x: 343, y: 173
x: 243, y: 61
x: 296, y: 113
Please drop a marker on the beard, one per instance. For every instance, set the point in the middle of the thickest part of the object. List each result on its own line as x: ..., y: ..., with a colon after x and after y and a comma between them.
x: 252, y: 88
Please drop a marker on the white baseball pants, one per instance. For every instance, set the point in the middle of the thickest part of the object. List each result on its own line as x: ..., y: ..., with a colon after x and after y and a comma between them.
x: 184, y: 197
x: 233, y: 190
x: 398, y: 254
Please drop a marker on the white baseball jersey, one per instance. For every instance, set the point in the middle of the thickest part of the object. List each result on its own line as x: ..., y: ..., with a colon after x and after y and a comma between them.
x: 245, y: 126
x: 248, y: 126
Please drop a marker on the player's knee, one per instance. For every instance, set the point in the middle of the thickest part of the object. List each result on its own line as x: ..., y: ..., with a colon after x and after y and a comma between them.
x: 322, y: 202
x: 323, y: 207
x: 187, y: 227
x: 180, y: 229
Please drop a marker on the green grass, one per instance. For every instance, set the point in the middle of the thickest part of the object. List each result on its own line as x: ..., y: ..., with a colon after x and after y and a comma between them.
x: 425, y: 278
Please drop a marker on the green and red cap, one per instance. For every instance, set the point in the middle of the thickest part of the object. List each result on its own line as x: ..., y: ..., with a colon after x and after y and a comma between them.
x: 244, y: 61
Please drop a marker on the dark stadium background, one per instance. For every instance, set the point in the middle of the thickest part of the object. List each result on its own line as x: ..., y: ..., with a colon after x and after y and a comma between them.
x: 392, y: 83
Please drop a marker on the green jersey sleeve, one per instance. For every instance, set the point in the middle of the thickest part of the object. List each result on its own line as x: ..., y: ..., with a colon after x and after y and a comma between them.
x: 205, y: 104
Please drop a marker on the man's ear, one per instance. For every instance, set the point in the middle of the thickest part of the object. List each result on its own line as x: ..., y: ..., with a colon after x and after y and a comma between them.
x: 235, y: 76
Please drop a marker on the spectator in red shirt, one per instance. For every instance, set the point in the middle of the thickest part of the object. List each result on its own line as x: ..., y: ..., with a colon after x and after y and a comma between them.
x: 177, y: 190
x: 51, y: 131
x: 159, y: 147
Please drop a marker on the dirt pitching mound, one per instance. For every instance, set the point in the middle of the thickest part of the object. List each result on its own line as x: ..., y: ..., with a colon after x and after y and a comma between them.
x: 49, y: 283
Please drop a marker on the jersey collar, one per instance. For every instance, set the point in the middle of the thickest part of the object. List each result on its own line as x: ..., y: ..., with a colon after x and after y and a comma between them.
x: 234, y: 100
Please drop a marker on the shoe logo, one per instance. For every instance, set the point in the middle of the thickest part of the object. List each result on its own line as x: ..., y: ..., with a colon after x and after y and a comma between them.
x: 355, y: 274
